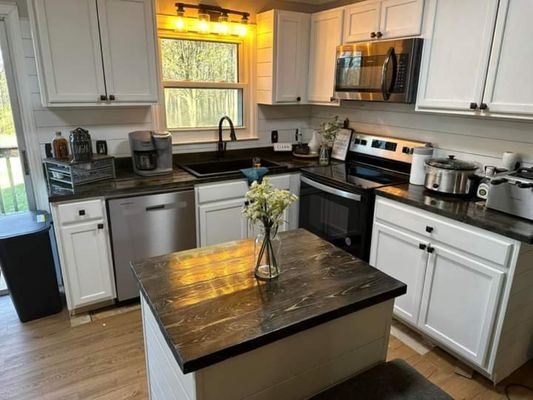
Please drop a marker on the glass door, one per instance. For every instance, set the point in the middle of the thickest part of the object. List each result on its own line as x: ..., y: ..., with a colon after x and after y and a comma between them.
x: 15, y: 186
x: 335, y: 215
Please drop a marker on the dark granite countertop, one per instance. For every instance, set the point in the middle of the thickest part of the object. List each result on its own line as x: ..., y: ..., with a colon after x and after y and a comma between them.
x: 210, y: 306
x: 127, y: 183
x: 472, y: 212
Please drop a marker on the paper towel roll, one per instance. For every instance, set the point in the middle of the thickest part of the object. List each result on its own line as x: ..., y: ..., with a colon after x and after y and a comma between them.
x: 510, y: 160
x: 418, y: 165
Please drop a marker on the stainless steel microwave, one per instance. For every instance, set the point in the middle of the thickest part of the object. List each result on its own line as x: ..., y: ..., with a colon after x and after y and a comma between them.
x: 378, y: 71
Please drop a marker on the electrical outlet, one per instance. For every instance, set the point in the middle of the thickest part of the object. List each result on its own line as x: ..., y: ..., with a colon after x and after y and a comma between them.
x: 282, y: 146
x: 274, y: 136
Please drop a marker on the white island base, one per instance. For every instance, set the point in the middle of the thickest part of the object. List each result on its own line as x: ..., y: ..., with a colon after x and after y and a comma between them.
x: 295, y: 367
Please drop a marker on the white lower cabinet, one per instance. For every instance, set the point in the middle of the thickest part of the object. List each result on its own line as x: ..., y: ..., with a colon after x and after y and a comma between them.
x: 460, y: 302
x: 401, y: 256
x: 85, y: 253
x: 219, y: 209
x: 221, y: 221
x: 460, y: 285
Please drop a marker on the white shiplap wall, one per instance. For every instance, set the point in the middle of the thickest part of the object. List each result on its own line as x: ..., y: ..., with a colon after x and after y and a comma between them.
x: 113, y: 124
x: 470, y: 138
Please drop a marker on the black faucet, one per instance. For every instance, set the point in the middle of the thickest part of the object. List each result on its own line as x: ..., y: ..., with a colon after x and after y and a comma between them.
x: 221, y: 144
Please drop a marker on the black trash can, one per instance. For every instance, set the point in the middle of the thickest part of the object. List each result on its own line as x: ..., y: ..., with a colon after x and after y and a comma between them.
x: 28, y: 265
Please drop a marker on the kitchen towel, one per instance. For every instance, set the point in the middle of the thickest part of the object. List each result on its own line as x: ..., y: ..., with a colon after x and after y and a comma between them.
x: 254, y: 174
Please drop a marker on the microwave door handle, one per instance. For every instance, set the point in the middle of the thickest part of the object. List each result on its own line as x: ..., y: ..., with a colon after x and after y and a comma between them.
x: 331, y: 190
x: 386, y: 89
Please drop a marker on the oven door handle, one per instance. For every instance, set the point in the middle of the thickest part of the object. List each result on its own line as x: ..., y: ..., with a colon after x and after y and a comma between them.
x: 331, y: 190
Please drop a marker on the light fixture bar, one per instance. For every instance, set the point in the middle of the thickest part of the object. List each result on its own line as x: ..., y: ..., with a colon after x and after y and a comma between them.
x: 210, y: 9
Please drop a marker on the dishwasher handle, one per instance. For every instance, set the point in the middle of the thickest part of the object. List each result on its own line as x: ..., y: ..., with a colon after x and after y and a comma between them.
x: 331, y: 190
x: 155, y: 208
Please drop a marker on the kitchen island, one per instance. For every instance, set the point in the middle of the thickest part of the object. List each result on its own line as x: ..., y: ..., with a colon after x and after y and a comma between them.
x: 212, y: 331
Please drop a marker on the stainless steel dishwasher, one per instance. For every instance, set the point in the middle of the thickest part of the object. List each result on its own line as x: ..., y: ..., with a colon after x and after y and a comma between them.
x: 149, y: 226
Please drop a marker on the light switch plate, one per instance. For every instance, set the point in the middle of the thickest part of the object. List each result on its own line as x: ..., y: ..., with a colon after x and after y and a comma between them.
x: 282, y: 146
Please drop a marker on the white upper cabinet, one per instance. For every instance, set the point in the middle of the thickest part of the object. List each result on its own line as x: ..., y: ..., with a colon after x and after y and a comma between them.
x: 509, y: 88
x: 326, y: 35
x: 488, y: 74
x: 69, y: 52
x: 129, y: 54
x: 456, y: 53
x: 361, y: 21
x: 282, y: 57
x: 95, y: 52
x: 382, y: 19
x: 401, y: 18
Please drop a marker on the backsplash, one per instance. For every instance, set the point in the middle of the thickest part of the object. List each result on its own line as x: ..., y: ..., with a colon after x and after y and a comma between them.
x: 476, y: 139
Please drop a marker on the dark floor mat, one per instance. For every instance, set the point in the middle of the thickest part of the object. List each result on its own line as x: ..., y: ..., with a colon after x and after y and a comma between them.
x: 394, y: 380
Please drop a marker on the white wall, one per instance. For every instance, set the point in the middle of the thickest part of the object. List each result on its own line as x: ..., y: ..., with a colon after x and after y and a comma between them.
x: 477, y: 139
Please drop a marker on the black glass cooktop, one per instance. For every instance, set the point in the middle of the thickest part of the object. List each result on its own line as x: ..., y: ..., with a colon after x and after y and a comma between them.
x: 357, y: 176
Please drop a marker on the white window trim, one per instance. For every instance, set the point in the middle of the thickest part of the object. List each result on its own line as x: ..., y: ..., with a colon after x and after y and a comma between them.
x: 248, y: 130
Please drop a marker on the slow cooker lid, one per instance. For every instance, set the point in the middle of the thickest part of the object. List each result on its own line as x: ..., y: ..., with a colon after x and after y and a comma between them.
x: 451, y: 163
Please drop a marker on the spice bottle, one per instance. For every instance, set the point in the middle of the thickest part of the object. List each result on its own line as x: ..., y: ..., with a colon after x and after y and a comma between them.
x: 59, y: 147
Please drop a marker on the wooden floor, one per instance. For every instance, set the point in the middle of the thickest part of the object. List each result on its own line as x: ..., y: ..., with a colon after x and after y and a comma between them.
x: 49, y: 360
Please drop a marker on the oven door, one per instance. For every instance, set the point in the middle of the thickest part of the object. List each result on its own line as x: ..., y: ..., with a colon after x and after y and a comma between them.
x: 335, y: 215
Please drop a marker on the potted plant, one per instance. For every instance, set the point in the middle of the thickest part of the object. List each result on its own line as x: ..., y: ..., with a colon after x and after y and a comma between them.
x: 264, y: 208
x: 328, y: 130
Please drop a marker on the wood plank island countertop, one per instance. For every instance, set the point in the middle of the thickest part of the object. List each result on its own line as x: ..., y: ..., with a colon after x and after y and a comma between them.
x: 208, y: 313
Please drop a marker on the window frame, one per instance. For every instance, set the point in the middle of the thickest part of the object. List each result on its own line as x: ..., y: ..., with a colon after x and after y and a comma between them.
x: 245, y: 55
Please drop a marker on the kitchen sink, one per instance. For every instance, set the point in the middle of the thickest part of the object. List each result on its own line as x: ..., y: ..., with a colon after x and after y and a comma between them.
x: 222, y: 167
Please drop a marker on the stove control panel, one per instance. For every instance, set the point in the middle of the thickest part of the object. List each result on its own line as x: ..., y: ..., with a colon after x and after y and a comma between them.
x: 384, y: 147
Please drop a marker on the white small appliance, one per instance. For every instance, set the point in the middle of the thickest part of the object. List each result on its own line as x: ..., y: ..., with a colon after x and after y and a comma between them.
x: 418, y: 165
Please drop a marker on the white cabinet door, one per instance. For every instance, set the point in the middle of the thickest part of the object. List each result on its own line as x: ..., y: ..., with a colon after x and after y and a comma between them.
x: 403, y: 257
x: 456, y: 54
x: 509, y: 88
x: 326, y: 35
x: 221, y: 221
x: 401, y: 18
x: 291, y: 56
x: 361, y: 20
x: 128, y: 48
x: 460, y: 301
x: 68, y: 46
x: 87, y: 263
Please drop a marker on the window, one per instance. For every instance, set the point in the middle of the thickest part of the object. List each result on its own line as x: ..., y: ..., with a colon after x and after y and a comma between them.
x: 202, y: 82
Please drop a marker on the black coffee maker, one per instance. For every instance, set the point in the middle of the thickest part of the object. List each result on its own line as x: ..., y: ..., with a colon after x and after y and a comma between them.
x: 151, y: 152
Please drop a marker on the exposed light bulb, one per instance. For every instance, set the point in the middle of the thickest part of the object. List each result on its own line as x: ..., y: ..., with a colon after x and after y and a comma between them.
x: 242, y: 28
x: 223, y: 25
x: 179, y: 23
x: 203, y: 22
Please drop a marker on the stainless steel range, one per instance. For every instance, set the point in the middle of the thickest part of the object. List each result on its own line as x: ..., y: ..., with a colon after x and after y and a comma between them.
x: 513, y: 193
x: 337, y: 201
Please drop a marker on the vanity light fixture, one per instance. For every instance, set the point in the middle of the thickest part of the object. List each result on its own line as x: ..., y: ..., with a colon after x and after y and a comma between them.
x: 211, y: 20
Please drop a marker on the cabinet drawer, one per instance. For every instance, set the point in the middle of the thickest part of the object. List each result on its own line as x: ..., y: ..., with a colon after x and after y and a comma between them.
x: 478, y: 242
x: 221, y: 191
x: 80, y: 211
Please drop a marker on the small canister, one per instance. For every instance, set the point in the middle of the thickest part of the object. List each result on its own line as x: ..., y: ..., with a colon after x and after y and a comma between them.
x: 81, y: 145
x: 418, y: 167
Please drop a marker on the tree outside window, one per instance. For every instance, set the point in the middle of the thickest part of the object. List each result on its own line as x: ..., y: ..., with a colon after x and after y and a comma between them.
x: 201, y: 83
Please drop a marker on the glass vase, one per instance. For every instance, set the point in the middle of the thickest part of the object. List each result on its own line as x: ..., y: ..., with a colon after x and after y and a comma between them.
x: 324, y: 155
x: 267, y: 250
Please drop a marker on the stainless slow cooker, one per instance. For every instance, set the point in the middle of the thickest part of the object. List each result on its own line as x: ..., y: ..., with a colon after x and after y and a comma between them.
x: 448, y: 175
